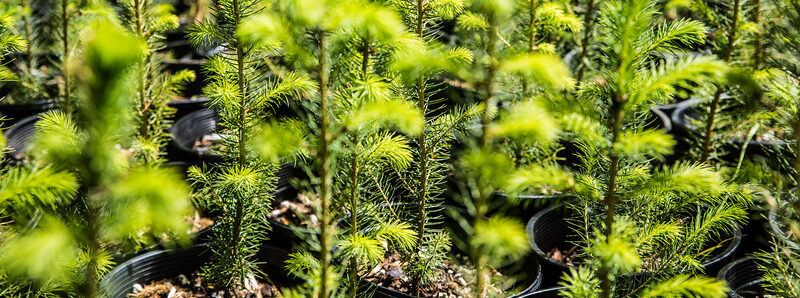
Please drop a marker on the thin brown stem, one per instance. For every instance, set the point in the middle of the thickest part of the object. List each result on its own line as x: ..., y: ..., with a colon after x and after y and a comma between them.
x: 482, y: 184
x: 325, y: 189
x: 354, y: 211
x: 726, y: 56
x: 614, y: 125
x: 422, y: 191
x: 758, y: 52
x: 65, y: 53
x: 93, y: 251
x: 587, y: 35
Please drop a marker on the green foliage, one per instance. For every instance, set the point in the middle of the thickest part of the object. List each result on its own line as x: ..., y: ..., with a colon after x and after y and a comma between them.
x: 348, y: 130
x: 72, y: 243
x: 155, y: 88
x: 686, y: 286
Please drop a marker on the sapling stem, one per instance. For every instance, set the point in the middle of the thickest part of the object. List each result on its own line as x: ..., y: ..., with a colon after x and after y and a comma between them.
x: 93, y: 251
x: 422, y: 191
x: 241, y: 143
x: 325, y: 189
x: 354, y: 211
x: 758, y: 51
x: 354, y: 171
x: 531, y: 38
x: 796, y: 126
x: 65, y: 55
x: 144, y: 131
x: 486, y: 119
x: 587, y: 24
x: 614, y: 125
x: 726, y: 56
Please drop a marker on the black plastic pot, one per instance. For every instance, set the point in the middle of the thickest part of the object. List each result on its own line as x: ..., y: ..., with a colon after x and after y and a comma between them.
x: 16, y: 112
x: 530, y: 272
x: 186, y: 131
x: 526, y: 205
x: 549, y: 229
x: 546, y: 293
x: 160, y: 264
x: 20, y: 136
x: 681, y: 124
x: 152, y: 266
x: 383, y: 292
x: 184, y: 107
x: 743, y: 278
x: 778, y: 230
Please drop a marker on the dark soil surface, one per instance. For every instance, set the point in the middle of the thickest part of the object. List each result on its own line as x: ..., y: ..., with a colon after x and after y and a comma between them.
x: 207, y: 142
x: 452, y: 281
x: 193, y: 286
x: 297, y: 212
x: 569, y: 256
x: 199, y: 222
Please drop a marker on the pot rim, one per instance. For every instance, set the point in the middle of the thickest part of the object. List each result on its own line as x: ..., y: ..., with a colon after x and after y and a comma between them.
x: 728, y: 251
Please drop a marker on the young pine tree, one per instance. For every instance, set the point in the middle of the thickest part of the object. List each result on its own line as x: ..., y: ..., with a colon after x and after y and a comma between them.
x: 25, y: 21
x: 68, y: 11
x: 10, y: 42
x: 781, y: 265
x: 617, y: 179
x: 73, y: 246
x: 732, y: 104
x: 149, y: 20
x: 497, y: 240
x: 343, y: 107
x: 240, y: 187
x: 419, y: 71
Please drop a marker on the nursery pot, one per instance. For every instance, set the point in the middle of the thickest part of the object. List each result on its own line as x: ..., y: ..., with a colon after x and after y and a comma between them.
x: 546, y: 293
x: 530, y: 270
x: 190, y: 129
x: 161, y: 264
x: 549, y: 229
x: 152, y: 266
x: 743, y: 278
x: 779, y: 230
x: 684, y: 112
x: 19, y: 138
x: 384, y: 292
x: 525, y: 205
x: 16, y: 112
x: 185, y: 106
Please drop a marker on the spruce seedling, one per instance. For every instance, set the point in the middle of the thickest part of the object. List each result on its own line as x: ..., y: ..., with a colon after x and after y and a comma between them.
x: 499, y: 239
x: 726, y: 56
x: 10, y: 42
x: 240, y: 188
x: 425, y: 180
x: 781, y: 265
x: 623, y: 183
x: 154, y: 88
x: 319, y: 56
x: 69, y: 9
x: 27, y: 81
x: 71, y: 247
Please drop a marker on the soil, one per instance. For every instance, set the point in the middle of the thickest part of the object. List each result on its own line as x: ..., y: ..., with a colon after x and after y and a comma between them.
x: 452, y: 282
x: 193, y: 286
x: 206, y: 142
x: 297, y: 212
x: 569, y: 256
x: 199, y: 222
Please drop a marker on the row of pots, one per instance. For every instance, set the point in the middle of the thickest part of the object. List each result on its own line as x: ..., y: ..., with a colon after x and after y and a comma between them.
x: 157, y: 264
x: 548, y: 229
